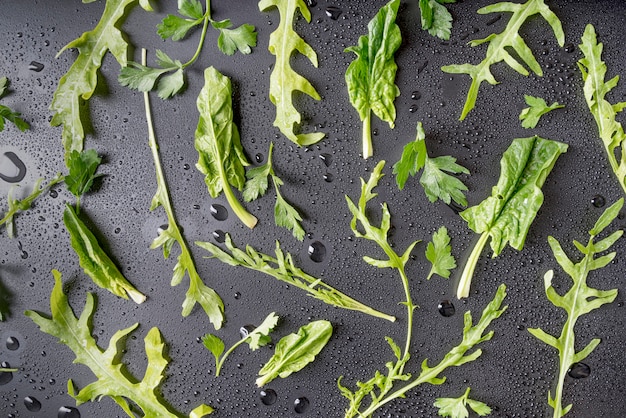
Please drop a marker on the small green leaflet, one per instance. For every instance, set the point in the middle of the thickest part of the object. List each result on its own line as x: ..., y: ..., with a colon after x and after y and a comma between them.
x: 284, y: 81
x: 435, y: 180
x: 371, y: 76
x: 255, y: 339
x: 611, y: 131
x: 498, y: 44
x: 233, y: 40
x: 6, y: 297
x: 579, y: 300
x: 457, y: 407
x: 79, y: 83
x: 6, y: 113
x: 220, y: 155
x: 435, y: 18
x: 506, y: 215
x: 113, y: 378
x: 538, y: 107
x: 285, y: 215
x: 439, y: 253
x: 294, y: 351
x: 82, y: 172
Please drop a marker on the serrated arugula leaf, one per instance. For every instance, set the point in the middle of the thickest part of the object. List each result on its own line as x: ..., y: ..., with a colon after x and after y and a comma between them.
x: 371, y: 76
x: 439, y: 253
x: 284, y: 81
x: 283, y: 268
x: 82, y: 171
x: 6, y: 113
x: 113, y: 378
x: 79, y: 83
x: 611, y: 131
x: 579, y: 300
x: 507, y: 214
x: 435, y: 180
x: 457, y: 407
x: 538, y: 107
x: 198, y: 292
x: 240, y: 39
x: 498, y: 44
x: 294, y: 351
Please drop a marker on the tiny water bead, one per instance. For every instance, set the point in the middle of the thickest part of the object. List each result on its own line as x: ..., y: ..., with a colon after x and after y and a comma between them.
x: 12, y: 343
x: 32, y: 403
x: 317, y: 251
x: 328, y: 177
x: 446, y: 308
x: 327, y: 159
x: 413, y: 108
x: 68, y: 412
x: 268, y: 396
x: 416, y: 95
x: 598, y: 201
x: 246, y: 330
x: 579, y: 371
x: 219, y: 212
x: 333, y: 12
x: 35, y: 66
x: 300, y: 405
x: 219, y: 236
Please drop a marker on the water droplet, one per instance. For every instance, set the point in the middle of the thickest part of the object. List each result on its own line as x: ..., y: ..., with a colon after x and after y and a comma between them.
x: 598, y: 201
x: 416, y: 95
x: 219, y: 212
x: 258, y: 158
x: 52, y: 381
x: 327, y: 159
x: 375, y: 131
x: 5, y: 377
x: 13, y: 343
x: 24, y: 255
x: 186, y: 166
x: 268, y: 396
x: 246, y: 330
x: 162, y: 228
x: 569, y: 47
x: 68, y: 412
x: 579, y: 371
x: 237, y: 295
x: 328, y: 178
x: 14, y: 172
x: 117, y: 230
x: 311, y: 3
x: 333, y: 12
x: 54, y: 194
x: 219, y: 235
x: 413, y: 108
x: 35, y: 66
x: 301, y: 404
x: 446, y: 308
x: 317, y: 251
x: 32, y: 403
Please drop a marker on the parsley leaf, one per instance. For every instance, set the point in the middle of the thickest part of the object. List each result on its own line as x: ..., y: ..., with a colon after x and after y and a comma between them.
x: 457, y: 407
x: 238, y: 39
x: 538, y: 107
x: 439, y: 253
x: 435, y: 18
x: 6, y: 113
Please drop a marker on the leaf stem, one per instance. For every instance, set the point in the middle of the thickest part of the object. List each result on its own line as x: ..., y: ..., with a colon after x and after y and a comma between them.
x: 368, y: 148
x: 470, y: 266
x: 219, y: 363
x: 242, y: 213
x: 205, y: 26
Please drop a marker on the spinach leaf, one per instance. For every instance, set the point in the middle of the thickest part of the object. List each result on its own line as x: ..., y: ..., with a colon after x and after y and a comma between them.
x: 498, y: 44
x: 538, y: 107
x: 284, y: 81
x: 371, y: 76
x: 507, y: 214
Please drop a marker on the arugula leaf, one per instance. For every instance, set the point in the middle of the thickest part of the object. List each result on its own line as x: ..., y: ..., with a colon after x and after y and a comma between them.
x: 538, y: 107
x: 198, y: 292
x: 579, y: 300
x: 95, y: 261
x: 371, y: 76
x: 19, y: 205
x: 113, y: 378
x: 6, y: 113
x: 285, y: 214
x: 255, y: 339
x: 79, y: 83
x: 435, y: 18
x: 457, y: 407
x: 232, y: 40
x: 284, y: 81
x: 435, y: 180
x: 220, y: 155
x: 439, y: 253
x: 82, y: 172
x: 294, y: 351
x: 498, y: 44
x: 282, y: 267
x: 611, y: 131
x: 507, y: 214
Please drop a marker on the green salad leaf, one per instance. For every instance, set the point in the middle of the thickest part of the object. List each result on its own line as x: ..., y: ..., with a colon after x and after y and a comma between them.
x: 457, y: 407
x: 611, y: 131
x: 113, y: 378
x: 220, y: 155
x: 538, y: 107
x: 6, y: 113
x: 435, y: 18
x: 82, y: 172
x: 284, y: 81
x: 283, y: 268
x: 294, y: 351
x: 439, y: 253
x: 6, y: 297
x: 371, y: 76
x: 507, y: 214
x: 498, y: 43
x: 579, y: 300
x: 435, y: 180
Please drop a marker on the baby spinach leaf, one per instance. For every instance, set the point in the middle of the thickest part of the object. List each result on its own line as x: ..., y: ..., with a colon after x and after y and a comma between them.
x: 498, y: 44
x: 113, y: 378
x: 611, y: 131
x: 538, y: 107
x: 6, y: 113
x: 294, y: 351
x: 507, y: 214
x: 457, y: 407
x: 284, y: 81
x: 439, y: 253
x: 579, y: 300
x: 371, y: 76
x: 220, y: 155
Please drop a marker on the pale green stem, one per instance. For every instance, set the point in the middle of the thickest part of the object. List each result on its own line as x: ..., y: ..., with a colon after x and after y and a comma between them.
x: 368, y: 148
x: 205, y: 25
x: 220, y: 362
x: 246, y: 217
x: 470, y: 266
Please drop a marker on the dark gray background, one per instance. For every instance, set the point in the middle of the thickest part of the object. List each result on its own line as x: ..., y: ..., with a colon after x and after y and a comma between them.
x: 515, y: 371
